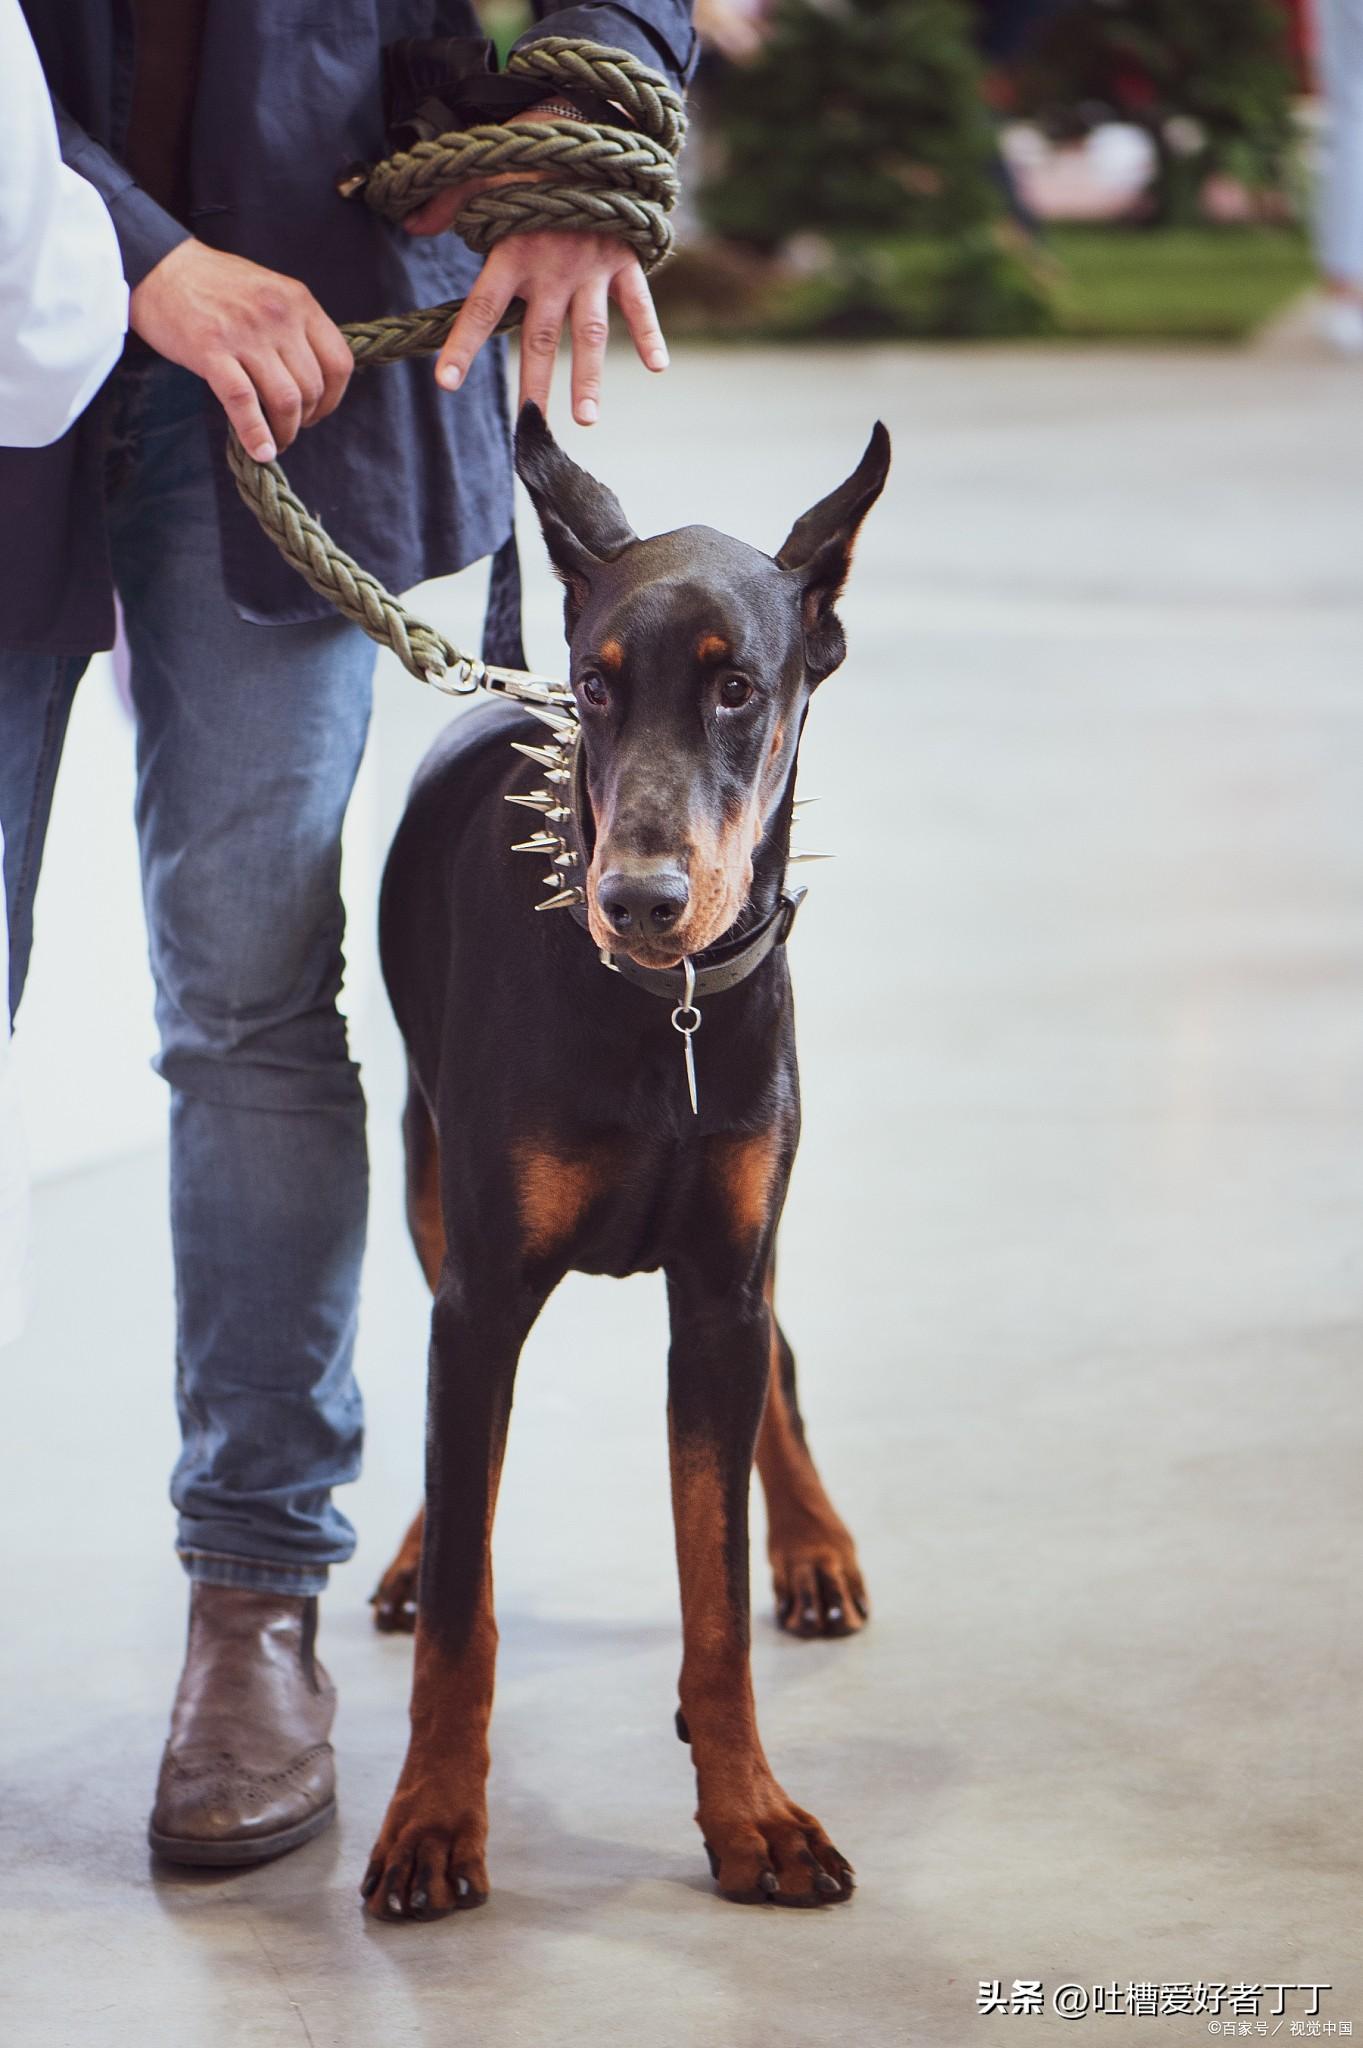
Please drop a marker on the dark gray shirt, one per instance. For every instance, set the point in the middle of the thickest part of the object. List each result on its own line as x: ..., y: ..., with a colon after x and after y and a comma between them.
x: 413, y: 482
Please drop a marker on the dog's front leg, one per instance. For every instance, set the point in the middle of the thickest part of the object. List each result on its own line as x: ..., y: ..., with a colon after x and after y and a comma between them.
x: 762, y: 1846
x: 429, y: 1857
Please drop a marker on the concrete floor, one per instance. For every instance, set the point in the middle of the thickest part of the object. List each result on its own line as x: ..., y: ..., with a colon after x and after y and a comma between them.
x: 1072, y: 1263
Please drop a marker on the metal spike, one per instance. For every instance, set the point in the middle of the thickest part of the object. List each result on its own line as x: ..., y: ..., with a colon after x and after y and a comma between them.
x: 561, y: 722
x: 543, y: 842
x: 563, y: 899
x: 547, y: 757
x: 793, y: 859
x: 566, y: 859
x: 802, y: 803
x: 564, y: 774
x: 556, y: 814
x: 537, y: 800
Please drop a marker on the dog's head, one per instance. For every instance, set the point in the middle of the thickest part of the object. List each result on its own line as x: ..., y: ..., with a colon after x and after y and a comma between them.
x: 693, y: 657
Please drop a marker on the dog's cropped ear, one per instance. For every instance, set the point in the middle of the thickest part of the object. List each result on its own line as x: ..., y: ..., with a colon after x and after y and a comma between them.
x: 818, y: 553
x: 582, y: 523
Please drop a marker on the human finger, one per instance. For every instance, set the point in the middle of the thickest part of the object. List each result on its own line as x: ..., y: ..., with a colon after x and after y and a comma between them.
x: 239, y: 399
x: 300, y: 361
x: 337, y: 364
x: 591, y: 331
x: 541, y: 331
x: 279, y: 395
x: 630, y: 291
x: 482, y: 309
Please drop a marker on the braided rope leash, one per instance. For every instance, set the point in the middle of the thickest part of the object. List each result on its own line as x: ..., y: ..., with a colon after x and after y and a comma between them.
x: 591, y: 177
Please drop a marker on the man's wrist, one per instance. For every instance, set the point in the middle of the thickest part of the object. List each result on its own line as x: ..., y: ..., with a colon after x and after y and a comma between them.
x: 146, y: 232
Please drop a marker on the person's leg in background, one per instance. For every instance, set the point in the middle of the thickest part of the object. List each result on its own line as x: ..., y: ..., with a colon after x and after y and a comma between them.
x: 36, y: 693
x: 249, y: 739
x: 35, y: 707
x: 1339, y: 223
x: 13, y: 1174
x: 1004, y: 29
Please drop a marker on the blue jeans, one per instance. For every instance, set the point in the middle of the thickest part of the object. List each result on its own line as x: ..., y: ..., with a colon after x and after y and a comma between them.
x: 248, y: 742
x: 1339, y: 221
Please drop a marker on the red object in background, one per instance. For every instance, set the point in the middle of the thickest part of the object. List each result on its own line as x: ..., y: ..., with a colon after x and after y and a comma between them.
x: 1132, y: 89
x: 1301, y: 17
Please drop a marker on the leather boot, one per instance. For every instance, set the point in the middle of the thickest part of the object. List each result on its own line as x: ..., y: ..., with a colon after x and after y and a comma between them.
x: 248, y: 1772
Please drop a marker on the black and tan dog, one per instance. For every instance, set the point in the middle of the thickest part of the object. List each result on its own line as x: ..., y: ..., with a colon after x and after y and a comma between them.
x: 550, y: 1127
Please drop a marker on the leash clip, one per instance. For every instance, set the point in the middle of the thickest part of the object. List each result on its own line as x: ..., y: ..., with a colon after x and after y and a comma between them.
x: 458, y: 678
x: 523, y: 686
x: 466, y: 675
x: 686, y: 1019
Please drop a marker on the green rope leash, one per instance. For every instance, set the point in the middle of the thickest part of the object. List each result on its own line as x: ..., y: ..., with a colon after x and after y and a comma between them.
x: 592, y: 178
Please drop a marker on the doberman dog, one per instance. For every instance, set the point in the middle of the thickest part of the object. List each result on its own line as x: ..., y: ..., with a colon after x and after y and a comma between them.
x: 550, y: 1127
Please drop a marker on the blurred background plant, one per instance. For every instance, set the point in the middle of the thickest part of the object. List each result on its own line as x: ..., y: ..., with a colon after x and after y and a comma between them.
x: 912, y: 168
x: 974, y: 169
x: 855, y: 150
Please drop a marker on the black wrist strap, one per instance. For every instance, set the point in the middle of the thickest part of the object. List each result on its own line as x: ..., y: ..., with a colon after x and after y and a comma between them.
x: 442, y: 84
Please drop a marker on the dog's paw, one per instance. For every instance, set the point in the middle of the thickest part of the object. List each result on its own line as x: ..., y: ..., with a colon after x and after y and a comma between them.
x: 423, y: 1865
x: 394, y: 1598
x: 819, y: 1589
x: 776, y: 1854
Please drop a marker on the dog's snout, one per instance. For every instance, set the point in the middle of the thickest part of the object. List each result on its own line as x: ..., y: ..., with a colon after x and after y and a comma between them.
x: 643, y: 900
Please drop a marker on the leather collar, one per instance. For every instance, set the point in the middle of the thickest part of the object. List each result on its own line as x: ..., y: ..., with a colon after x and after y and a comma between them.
x: 719, y: 967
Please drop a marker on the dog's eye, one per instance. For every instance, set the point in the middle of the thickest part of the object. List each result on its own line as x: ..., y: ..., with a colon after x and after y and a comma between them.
x: 595, y: 691
x: 735, y: 692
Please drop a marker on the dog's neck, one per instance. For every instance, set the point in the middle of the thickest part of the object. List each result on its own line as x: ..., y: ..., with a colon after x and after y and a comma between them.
x: 770, y: 857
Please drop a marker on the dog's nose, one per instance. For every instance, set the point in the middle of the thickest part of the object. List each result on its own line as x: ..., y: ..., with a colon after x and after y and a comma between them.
x: 643, y: 900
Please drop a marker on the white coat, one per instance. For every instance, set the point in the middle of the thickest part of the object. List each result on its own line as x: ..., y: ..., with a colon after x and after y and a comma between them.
x: 63, y: 301
x: 63, y: 315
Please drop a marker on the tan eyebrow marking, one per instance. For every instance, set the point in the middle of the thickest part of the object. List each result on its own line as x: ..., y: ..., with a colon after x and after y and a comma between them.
x: 713, y: 647
x: 612, y: 654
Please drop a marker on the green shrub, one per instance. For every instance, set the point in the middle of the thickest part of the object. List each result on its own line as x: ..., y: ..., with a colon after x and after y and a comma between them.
x: 915, y: 288
x: 864, y: 117
x: 863, y: 122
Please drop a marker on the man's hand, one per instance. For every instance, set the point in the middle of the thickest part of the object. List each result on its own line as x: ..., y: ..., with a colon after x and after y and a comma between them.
x: 561, y: 276
x: 260, y: 341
